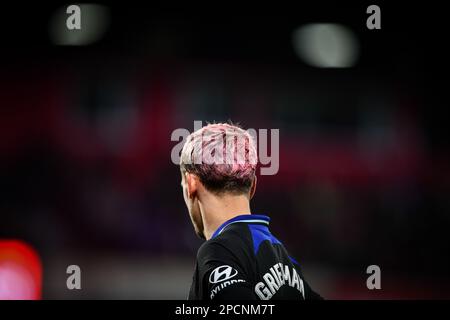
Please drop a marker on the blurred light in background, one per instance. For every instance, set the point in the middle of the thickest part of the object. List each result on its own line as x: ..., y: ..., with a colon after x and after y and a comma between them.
x: 20, y: 272
x: 85, y: 148
x: 326, y: 45
x: 94, y: 23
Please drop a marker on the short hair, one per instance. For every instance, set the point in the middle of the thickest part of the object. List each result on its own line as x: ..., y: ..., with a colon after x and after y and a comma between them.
x: 233, y: 169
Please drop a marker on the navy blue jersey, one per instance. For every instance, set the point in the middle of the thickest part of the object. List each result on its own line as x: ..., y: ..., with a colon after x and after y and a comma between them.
x: 243, y: 260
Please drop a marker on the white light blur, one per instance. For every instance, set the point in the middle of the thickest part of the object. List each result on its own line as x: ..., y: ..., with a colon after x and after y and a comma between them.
x: 94, y: 23
x: 326, y: 45
x: 16, y: 282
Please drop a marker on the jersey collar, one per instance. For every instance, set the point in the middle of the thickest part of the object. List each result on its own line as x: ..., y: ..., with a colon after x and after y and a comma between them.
x: 246, y: 218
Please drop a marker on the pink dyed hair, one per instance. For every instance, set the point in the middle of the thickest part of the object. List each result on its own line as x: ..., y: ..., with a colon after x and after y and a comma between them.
x: 223, y: 156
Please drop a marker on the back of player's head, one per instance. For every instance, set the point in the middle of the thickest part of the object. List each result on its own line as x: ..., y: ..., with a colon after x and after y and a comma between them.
x: 223, y: 156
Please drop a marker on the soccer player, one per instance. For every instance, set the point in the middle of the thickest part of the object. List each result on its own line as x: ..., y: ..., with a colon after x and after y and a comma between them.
x: 240, y: 258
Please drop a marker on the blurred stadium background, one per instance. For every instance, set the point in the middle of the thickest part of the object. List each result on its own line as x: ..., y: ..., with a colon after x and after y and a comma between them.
x: 85, y: 145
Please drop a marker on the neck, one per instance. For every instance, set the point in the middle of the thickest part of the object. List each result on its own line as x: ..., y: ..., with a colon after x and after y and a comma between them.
x: 216, y: 210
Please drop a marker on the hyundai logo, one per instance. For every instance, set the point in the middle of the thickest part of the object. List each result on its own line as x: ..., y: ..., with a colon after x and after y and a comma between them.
x: 222, y: 273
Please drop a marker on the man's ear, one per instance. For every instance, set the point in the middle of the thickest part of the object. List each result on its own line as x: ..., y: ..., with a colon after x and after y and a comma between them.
x: 191, y: 185
x: 253, y: 188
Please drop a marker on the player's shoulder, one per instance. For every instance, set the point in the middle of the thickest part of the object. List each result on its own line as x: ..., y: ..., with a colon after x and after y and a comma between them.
x: 229, y: 242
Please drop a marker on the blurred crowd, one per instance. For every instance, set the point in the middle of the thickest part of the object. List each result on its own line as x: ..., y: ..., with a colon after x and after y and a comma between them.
x: 85, y: 155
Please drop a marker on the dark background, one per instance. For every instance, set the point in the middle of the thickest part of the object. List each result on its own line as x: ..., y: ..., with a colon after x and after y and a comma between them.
x: 85, y: 169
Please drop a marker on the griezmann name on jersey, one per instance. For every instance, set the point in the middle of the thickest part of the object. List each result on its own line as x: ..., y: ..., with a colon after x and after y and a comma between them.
x: 244, y: 261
